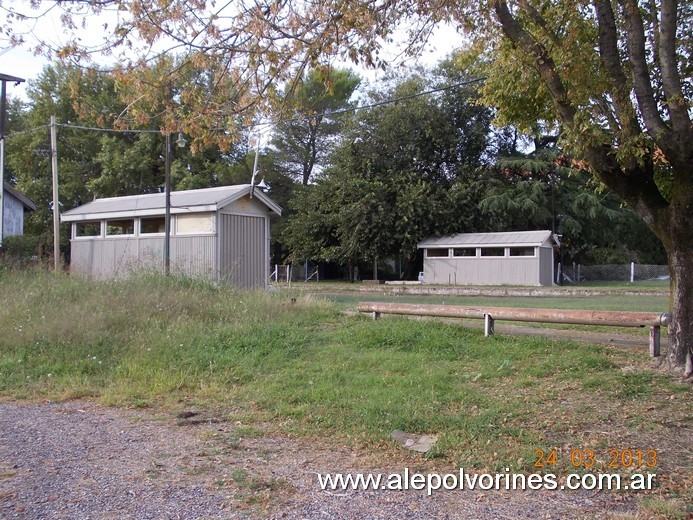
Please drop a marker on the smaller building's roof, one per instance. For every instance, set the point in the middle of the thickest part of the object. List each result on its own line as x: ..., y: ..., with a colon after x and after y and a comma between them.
x: 509, y: 238
x: 207, y: 199
x: 28, y: 203
x: 7, y: 77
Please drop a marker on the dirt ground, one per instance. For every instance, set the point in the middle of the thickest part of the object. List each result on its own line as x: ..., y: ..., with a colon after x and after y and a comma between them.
x: 79, y: 460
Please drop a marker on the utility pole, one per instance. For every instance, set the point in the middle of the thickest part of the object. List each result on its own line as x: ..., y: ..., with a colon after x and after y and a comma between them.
x: 180, y: 142
x: 56, y: 200
x: 167, y: 213
x: 4, y: 78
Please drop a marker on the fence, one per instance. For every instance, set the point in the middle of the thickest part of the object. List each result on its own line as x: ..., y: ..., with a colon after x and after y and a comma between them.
x: 294, y: 273
x: 632, y: 272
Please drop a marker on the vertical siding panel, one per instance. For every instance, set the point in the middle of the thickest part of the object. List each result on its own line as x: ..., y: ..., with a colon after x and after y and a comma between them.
x: 194, y: 255
x: 13, y: 216
x: 242, y: 245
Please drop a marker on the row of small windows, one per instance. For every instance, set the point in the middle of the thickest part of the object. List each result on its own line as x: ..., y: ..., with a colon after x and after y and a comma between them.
x: 480, y: 251
x: 185, y: 224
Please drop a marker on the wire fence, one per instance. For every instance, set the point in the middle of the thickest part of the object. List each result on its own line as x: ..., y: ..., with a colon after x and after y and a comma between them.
x: 293, y: 273
x: 572, y: 273
x: 632, y: 272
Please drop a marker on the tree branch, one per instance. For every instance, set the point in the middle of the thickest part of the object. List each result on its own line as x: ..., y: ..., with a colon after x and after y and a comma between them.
x: 635, y: 36
x: 636, y: 185
x: 680, y: 119
x: 620, y: 86
x: 540, y: 21
x: 544, y: 63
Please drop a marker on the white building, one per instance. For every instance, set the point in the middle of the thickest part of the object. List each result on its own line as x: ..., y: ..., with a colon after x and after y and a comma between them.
x: 217, y: 233
x: 510, y: 258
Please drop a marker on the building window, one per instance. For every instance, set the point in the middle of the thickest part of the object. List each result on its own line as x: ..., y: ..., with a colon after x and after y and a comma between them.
x: 88, y: 229
x: 196, y: 224
x: 120, y: 227
x: 152, y: 225
x: 464, y: 251
x: 492, y: 251
x: 521, y: 251
x: 437, y: 253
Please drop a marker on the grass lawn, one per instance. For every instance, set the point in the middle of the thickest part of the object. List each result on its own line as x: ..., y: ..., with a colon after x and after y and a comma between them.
x: 643, y: 302
x: 305, y: 369
x: 645, y: 286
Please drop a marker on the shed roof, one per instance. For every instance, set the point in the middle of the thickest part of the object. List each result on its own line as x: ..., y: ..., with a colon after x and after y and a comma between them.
x: 208, y: 199
x: 7, y: 77
x: 28, y: 203
x: 509, y: 238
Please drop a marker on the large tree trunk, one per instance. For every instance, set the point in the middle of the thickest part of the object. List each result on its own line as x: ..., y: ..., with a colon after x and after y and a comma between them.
x: 680, y: 257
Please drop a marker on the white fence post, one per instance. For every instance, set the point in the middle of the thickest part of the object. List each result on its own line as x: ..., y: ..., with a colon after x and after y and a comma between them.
x: 632, y: 272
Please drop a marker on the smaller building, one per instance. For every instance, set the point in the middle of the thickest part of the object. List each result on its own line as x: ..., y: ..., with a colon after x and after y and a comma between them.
x: 217, y: 233
x: 14, y: 204
x: 510, y: 258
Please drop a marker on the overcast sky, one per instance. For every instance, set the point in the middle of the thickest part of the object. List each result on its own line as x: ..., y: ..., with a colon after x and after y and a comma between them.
x: 23, y: 63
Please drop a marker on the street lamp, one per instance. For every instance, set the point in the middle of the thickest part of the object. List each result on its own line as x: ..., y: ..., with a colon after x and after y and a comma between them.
x: 254, y: 142
x: 181, y: 142
x: 4, y: 78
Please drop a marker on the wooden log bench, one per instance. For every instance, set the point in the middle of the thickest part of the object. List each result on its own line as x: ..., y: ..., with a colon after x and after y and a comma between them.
x: 653, y: 320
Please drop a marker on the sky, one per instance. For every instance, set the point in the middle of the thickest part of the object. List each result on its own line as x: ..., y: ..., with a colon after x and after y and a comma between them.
x: 21, y: 62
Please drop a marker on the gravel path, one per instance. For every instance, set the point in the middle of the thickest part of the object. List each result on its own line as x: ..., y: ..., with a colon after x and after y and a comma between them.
x: 78, y: 460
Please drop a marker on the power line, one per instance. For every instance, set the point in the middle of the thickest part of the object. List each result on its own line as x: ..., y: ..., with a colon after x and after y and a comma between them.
x: 108, y: 130
x: 271, y: 122
x: 30, y: 131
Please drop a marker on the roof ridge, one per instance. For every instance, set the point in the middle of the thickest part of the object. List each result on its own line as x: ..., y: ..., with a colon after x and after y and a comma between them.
x: 121, y: 197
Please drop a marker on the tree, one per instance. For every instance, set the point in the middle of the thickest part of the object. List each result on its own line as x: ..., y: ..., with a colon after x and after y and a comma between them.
x: 542, y: 190
x: 314, y: 113
x: 94, y: 163
x: 28, y: 152
x: 617, y: 77
x: 398, y: 176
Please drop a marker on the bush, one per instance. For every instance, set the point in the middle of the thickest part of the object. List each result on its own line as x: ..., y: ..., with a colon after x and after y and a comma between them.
x: 19, y: 249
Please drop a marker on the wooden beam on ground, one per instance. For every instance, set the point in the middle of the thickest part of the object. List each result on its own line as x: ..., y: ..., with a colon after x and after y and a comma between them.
x: 575, y: 317
x: 654, y: 320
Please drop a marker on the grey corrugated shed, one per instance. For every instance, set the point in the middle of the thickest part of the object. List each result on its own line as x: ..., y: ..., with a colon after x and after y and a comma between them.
x: 26, y: 201
x: 515, y: 238
x: 208, y: 199
x: 235, y: 248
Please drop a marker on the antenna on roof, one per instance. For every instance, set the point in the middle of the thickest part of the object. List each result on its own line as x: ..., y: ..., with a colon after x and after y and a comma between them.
x: 254, y: 141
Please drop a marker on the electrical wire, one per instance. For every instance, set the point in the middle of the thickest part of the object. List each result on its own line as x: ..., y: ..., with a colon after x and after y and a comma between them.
x: 275, y: 121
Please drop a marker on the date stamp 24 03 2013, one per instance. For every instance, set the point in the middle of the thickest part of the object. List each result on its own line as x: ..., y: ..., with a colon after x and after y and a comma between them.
x: 587, y: 458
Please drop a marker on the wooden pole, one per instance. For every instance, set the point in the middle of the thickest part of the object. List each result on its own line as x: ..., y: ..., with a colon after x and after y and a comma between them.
x: 654, y: 341
x: 2, y: 185
x: 488, y: 325
x: 56, y: 200
x: 167, y: 210
x: 3, y: 110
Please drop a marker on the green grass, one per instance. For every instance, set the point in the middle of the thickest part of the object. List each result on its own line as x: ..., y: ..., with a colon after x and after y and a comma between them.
x: 645, y: 286
x: 305, y: 369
